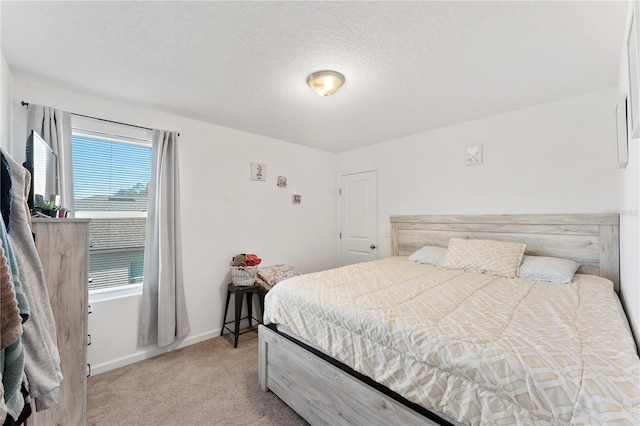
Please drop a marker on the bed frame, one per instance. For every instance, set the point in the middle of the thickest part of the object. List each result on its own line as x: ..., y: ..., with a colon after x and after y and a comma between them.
x: 325, y: 391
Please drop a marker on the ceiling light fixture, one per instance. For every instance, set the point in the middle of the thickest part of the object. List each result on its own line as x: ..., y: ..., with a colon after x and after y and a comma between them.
x: 325, y: 83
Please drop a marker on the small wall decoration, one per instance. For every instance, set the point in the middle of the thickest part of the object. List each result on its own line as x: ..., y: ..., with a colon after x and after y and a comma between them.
x: 473, y: 154
x: 297, y: 199
x: 282, y: 181
x: 632, y: 38
x: 621, y: 131
x: 259, y: 171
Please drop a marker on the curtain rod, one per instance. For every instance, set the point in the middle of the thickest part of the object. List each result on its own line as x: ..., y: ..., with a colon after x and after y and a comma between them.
x: 23, y: 103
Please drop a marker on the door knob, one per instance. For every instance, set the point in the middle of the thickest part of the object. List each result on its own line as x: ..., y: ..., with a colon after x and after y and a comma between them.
x: 372, y: 246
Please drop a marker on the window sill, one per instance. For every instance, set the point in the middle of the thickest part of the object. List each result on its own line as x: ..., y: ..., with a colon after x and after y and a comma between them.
x: 104, y: 294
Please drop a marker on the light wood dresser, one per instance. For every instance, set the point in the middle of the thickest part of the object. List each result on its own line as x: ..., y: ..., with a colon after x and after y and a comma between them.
x: 63, y: 245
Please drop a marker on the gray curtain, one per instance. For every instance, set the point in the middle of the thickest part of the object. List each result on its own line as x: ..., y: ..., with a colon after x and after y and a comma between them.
x: 54, y: 126
x: 163, y: 312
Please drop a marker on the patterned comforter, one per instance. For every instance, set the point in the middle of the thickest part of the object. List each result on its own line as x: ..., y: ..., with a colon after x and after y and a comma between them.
x: 478, y: 348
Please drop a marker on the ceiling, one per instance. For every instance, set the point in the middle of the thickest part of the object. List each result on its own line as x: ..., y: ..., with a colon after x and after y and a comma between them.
x: 409, y: 66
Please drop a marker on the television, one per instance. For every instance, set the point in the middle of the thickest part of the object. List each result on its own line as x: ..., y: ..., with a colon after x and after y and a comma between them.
x: 42, y: 164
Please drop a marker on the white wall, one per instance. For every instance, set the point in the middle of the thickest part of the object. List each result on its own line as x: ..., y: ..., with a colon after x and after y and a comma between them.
x: 629, y: 181
x: 223, y: 212
x: 6, y: 87
x: 553, y: 158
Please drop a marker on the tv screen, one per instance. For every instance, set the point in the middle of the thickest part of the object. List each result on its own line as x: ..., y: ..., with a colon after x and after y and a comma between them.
x: 42, y: 164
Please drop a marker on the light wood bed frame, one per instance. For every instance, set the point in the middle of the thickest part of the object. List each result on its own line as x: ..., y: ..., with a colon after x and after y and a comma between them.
x: 324, y: 391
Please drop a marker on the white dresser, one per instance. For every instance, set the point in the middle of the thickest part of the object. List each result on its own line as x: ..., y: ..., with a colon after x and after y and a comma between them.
x: 63, y: 245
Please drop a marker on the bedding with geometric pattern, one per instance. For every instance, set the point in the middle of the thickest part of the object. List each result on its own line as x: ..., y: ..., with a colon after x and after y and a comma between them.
x: 477, y: 348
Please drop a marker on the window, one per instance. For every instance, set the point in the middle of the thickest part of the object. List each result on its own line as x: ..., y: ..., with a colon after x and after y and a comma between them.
x: 111, y: 175
x: 135, y: 271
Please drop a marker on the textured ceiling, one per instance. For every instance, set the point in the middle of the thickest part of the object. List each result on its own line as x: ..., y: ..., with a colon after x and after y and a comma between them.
x: 409, y: 66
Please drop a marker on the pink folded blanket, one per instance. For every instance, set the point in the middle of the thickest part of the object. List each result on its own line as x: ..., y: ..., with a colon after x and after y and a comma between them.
x: 268, y: 276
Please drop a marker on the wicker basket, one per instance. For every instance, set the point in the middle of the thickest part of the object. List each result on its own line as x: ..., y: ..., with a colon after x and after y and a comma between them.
x: 243, y: 276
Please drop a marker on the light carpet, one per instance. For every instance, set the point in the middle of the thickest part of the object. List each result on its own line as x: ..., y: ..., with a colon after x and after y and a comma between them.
x: 209, y: 383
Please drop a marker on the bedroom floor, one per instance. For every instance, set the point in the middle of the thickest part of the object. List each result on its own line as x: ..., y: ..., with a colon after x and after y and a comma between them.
x: 206, y: 383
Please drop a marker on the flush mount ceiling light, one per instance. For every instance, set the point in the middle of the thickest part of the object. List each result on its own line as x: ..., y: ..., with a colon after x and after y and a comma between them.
x: 325, y: 83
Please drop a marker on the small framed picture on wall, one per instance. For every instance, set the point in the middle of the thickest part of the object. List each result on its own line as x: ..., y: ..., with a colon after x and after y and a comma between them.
x: 633, y: 70
x: 621, y: 131
x: 259, y: 172
x: 473, y: 154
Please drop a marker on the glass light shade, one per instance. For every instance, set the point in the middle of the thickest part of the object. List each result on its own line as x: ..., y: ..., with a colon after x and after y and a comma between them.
x: 325, y: 83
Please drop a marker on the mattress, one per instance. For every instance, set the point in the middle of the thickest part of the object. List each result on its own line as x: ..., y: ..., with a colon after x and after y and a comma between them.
x: 479, y: 349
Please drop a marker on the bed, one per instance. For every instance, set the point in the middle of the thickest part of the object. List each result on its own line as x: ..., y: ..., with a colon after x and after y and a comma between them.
x: 399, y: 342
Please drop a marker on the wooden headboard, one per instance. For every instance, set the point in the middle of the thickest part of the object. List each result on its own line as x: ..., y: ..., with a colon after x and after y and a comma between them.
x: 589, y: 239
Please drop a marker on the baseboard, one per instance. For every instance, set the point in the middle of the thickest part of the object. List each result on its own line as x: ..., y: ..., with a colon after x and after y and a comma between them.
x: 151, y: 352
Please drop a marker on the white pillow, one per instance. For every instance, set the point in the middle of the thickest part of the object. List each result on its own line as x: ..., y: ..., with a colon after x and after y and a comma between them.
x: 487, y: 256
x: 430, y: 255
x: 552, y: 269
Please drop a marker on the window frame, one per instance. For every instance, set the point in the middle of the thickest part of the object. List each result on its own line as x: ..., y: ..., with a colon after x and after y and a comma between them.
x: 111, y: 132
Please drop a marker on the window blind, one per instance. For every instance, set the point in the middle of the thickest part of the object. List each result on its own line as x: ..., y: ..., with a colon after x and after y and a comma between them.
x: 110, y: 176
x: 111, y: 186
